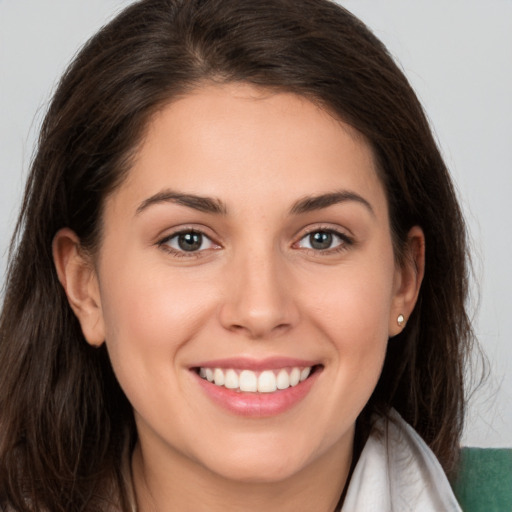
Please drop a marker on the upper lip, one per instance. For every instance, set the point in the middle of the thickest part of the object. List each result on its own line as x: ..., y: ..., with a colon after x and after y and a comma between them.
x: 244, y: 363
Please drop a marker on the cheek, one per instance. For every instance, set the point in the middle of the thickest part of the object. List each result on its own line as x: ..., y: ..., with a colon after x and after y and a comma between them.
x: 148, y: 321
x: 148, y: 316
x: 353, y: 313
x: 357, y: 328
x: 356, y: 306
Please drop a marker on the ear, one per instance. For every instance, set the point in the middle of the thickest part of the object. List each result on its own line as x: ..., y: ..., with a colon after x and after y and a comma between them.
x: 408, y: 279
x: 78, y: 277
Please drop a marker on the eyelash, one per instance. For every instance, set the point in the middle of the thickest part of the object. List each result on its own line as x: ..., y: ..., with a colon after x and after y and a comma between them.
x: 164, y: 243
x: 344, y: 242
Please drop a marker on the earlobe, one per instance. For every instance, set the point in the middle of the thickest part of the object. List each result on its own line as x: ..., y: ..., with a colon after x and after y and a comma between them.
x: 408, y: 282
x: 78, y: 278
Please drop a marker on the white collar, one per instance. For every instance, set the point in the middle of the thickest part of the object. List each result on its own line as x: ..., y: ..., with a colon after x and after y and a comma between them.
x: 397, y: 472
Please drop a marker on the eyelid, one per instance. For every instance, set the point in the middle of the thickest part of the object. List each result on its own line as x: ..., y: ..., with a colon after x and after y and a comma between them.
x: 345, y: 239
x: 163, y: 242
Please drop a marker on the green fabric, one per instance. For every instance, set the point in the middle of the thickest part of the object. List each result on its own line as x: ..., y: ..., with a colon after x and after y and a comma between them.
x: 484, y: 480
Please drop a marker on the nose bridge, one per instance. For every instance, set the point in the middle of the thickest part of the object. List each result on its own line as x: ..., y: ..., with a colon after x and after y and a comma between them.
x: 258, y: 301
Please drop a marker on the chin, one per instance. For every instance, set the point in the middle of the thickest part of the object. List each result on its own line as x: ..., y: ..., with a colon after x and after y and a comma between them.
x: 258, y: 471
x: 256, y: 461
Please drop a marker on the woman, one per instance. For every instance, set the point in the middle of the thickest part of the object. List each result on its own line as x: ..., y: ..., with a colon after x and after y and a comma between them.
x: 239, y: 274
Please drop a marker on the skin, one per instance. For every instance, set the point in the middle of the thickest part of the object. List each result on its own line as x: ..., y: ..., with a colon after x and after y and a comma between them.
x: 257, y: 288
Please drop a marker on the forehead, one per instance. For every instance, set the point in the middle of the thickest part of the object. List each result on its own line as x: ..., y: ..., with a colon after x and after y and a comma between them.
x: 239, y: 142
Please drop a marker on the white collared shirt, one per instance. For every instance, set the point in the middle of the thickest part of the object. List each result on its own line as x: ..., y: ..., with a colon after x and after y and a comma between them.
x: 397, y: 472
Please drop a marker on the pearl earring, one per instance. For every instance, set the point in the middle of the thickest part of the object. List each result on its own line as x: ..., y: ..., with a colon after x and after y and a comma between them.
x: 400, y: 320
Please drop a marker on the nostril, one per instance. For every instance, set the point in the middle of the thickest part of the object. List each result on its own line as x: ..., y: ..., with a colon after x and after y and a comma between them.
x: 259, y: 330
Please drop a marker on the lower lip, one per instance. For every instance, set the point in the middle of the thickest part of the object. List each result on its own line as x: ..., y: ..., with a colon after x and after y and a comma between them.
x: 258, y: 405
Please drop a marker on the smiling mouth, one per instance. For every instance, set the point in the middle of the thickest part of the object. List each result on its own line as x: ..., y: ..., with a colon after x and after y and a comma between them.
x: 248, y: 381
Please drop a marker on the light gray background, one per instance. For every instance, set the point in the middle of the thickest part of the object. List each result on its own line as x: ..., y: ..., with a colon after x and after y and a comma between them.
x: 457, y: 55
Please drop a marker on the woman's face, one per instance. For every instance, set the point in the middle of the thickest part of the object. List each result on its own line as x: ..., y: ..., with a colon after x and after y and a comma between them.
x: 250, y: 244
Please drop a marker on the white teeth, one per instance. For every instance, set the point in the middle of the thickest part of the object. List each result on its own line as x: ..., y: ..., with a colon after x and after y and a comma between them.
x: 294, y: 377
x: 248, y: 381
x: 283, y: 379
x: 218, y: 377
x: 304, y: 374
x: 268, y: 381
x: 231, y: 381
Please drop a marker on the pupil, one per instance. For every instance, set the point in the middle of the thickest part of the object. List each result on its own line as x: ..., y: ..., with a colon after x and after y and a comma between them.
x: 321, y: 240
x: 190, y: 241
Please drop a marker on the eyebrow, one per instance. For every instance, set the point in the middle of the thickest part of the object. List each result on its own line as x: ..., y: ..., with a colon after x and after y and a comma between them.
x: 312, y: 203
x: 200, y: 203
x: 216, y: 206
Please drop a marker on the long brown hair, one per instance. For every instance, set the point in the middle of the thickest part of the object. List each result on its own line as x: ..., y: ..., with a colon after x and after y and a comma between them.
x: 64, y: 421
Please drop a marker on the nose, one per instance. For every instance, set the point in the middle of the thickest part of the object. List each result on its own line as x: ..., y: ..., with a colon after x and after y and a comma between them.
x: 259, y: 301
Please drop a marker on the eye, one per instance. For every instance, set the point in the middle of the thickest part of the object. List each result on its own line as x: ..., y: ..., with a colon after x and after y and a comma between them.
x: 187, y: 241
x: 323, y: 240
